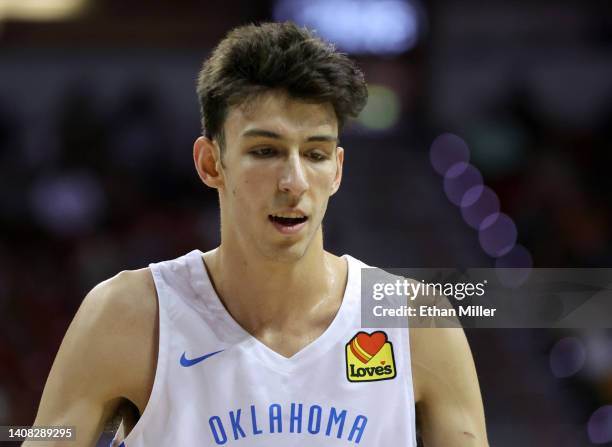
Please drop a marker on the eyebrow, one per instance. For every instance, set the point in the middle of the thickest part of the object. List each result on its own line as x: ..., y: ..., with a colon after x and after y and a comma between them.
x: 270, y: 134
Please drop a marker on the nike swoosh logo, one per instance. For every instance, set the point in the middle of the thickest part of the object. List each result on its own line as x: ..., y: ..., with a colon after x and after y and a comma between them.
x: 190, y: 362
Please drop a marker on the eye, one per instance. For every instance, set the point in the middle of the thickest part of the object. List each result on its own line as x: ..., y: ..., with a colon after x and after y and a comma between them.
x: 317, y: 156
x: 263, y: 152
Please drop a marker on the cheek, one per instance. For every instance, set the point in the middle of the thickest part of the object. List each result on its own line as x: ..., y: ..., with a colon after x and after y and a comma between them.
x: 251, y: 186
x: 324, y: 180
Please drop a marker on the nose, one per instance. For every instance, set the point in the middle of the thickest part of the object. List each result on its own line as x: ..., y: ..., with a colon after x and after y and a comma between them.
x: 293, y: 178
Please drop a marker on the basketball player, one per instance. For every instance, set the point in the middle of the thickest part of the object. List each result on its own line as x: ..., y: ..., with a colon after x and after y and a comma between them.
x: 258, y: 342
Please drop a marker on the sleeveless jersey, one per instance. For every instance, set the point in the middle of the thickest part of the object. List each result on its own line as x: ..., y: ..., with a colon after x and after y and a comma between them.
x: 215, y: 384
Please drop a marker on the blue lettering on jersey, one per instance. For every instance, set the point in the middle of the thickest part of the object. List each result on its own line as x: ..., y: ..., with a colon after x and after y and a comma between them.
x: 335, y: 418
x: 318, y: 417
x: 216, y: 426
x: 296, y: 419
x: 276, y: 418
x: 256, y: 431
x: 357, y: 430
x: 236, y: 428
x: 314, y: 420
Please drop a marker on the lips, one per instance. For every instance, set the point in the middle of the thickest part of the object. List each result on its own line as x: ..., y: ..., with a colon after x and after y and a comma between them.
x: 286, y: 224
x: 287, y: 221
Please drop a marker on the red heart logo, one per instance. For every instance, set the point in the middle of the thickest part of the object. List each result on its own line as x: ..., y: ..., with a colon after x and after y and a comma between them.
x: 365, y: 346
x: 383, y: 362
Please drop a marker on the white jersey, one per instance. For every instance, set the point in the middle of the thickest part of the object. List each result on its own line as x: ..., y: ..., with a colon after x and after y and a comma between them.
x: 215, y: 384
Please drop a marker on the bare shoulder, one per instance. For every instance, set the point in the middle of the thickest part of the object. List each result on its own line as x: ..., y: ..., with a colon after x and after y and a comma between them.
x: 435, y: 352
x: 128, y: 297
x: 435, y: 349
x: 119, y: 316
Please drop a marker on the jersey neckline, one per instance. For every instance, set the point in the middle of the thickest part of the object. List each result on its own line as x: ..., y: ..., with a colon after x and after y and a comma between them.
x: 329, y: 338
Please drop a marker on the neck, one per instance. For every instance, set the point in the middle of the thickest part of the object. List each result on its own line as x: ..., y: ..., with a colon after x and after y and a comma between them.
x: 262, y: 293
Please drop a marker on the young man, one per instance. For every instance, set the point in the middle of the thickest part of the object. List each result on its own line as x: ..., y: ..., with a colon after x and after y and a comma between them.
x: 258, y: 342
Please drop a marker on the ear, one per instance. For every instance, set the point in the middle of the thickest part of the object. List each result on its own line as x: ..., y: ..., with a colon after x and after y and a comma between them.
x: 338, y: 177
x: 206, y: 156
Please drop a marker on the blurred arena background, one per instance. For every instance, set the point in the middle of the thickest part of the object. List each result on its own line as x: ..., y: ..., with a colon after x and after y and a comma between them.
x: 98, y: 114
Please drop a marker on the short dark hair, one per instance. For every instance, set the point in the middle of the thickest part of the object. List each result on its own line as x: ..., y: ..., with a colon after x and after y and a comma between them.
x: 257, y: 58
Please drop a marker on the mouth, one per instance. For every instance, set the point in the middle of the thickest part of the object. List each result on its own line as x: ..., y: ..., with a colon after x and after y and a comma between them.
x: 288, y: 224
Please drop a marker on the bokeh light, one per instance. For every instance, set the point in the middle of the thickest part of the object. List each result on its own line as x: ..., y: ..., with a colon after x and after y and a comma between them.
x: 459, y: 179
x: 477, y: 203
x: 498, y: 146
x: 359, y: 26
x: 40, y: 11
x: 600, y: 425
x: 497, y: 235
x: 514, y: 268
x: 567, y: 357
x: 448, y: 150
x: 463, y: 184
x: 382, y: 110
x: 67, y: 204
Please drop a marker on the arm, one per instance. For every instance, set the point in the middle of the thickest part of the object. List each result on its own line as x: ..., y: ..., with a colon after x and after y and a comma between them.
x: 108, y: 354
x: 448, y: 398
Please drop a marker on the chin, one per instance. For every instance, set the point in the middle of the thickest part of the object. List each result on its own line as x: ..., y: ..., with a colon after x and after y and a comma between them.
x: 287, y: 253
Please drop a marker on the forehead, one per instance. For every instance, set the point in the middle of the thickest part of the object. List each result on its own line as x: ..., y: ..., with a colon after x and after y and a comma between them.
x: 277, y: 112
